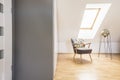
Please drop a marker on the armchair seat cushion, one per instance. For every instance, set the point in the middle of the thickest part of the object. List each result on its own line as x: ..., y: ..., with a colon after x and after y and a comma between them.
x: 83, y: 50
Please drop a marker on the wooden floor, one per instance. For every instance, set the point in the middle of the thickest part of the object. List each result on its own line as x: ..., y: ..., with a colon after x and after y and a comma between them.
x: 102, y: 68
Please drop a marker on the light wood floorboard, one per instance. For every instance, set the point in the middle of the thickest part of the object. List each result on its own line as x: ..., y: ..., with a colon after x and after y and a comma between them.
x: 102, y: 68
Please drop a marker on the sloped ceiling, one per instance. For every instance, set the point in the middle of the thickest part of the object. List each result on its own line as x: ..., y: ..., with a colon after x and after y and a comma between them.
x: 70, y: 14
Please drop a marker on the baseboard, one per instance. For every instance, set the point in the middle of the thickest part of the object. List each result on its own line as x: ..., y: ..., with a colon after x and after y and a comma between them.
x: 92, y: 53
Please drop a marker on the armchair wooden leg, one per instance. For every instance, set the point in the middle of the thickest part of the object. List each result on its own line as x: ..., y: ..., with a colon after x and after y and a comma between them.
x: 74, y: 56
x: 90, y: 57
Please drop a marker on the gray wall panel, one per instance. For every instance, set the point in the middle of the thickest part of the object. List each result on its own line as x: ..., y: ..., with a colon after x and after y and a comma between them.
x: 33, y: 57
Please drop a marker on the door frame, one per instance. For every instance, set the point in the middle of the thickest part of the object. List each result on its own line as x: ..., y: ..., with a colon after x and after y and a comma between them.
x: 7, y: 40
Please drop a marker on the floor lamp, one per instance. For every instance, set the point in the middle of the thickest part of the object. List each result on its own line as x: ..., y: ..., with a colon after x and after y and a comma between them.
x: 105, y: 38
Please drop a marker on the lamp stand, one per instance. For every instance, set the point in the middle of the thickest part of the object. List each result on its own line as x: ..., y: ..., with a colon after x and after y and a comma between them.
x: 106, y: 40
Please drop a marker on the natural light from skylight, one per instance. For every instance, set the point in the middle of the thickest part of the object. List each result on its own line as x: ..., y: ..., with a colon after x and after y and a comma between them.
x: 93, y: 17
x: 89, y: 18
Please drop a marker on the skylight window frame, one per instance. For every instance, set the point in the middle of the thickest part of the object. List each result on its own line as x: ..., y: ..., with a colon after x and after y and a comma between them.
x: 90, y: 28
x: 90, y: 33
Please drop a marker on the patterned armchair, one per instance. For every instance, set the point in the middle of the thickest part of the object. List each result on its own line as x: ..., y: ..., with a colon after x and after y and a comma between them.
x: 80, y: 47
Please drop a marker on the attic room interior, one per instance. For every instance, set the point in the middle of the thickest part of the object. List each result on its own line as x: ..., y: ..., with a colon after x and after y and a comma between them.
x: 86, y: 21
x: 59, y: 40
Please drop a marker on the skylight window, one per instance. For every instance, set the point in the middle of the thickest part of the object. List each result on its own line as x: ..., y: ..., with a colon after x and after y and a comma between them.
x: 93, y: 17
x: 89, y: 18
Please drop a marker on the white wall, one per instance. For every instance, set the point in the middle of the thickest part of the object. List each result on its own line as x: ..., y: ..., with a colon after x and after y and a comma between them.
x: 66, y: 47
x: 70, y: 14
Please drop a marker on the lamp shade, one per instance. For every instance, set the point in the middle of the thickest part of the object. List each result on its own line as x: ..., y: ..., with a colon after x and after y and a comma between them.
x: 105, y: 32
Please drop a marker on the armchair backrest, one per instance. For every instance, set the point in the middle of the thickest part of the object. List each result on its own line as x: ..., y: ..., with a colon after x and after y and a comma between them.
x: 73, y: 44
